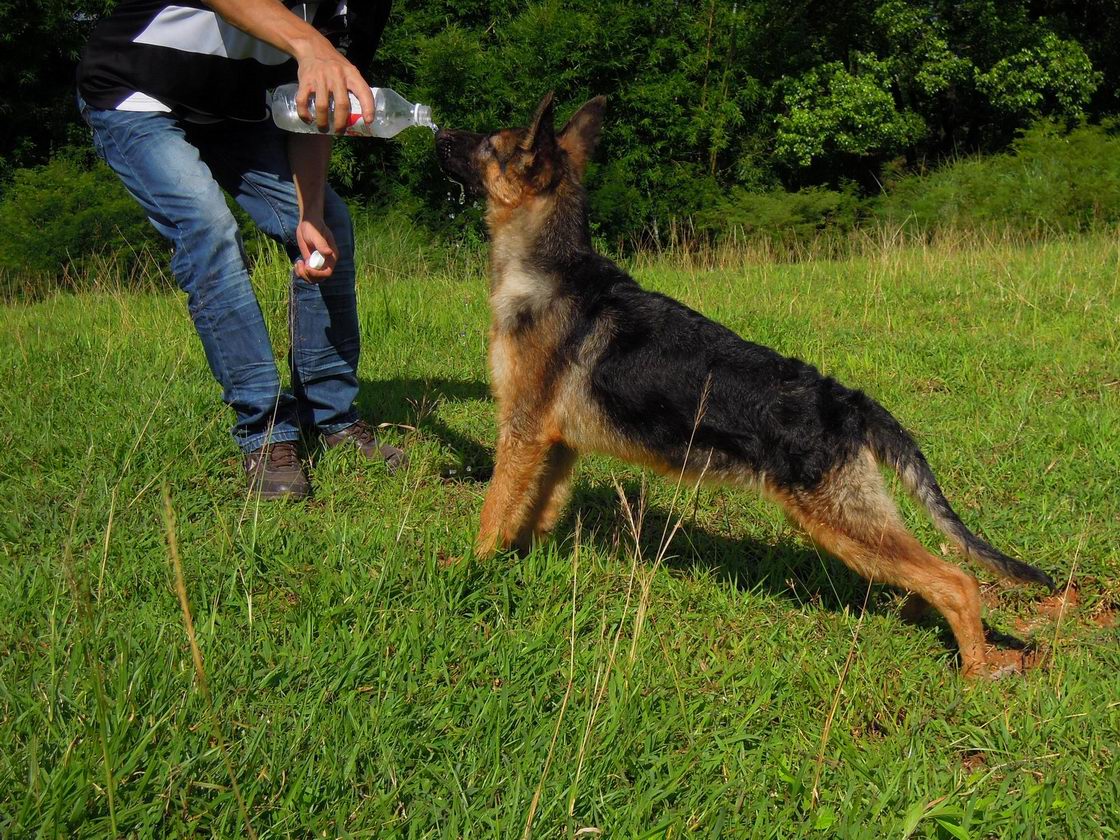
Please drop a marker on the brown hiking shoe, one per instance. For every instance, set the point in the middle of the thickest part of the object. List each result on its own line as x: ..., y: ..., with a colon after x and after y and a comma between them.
x: 362, y: 435
x: 274, y: 472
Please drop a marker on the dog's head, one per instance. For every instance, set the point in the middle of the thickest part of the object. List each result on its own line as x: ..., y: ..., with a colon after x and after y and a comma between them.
x: 511, y: 166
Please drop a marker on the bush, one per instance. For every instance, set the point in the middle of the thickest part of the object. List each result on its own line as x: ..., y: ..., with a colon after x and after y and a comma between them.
x: 830, y: 112
x: 1050, y: 181
x: 785, y: 218
x: 63, y: 212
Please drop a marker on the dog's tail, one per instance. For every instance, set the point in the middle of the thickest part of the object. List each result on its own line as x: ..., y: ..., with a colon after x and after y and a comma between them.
x: 893, y: 446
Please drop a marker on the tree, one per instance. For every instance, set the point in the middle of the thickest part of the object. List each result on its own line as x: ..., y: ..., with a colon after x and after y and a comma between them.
x: 40, y: 43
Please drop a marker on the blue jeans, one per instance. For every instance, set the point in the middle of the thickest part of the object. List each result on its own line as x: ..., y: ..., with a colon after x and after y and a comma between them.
x: 177, y: 171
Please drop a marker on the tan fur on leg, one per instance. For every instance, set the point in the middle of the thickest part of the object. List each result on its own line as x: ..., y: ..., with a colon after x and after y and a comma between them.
x: 852, y: 517
x: 552, y: 492
x: 512, y: 495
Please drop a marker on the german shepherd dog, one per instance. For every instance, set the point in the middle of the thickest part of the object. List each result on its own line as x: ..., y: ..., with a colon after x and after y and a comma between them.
x: 582, y: 359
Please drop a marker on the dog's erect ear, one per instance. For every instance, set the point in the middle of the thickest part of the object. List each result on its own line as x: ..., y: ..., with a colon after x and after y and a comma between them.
x: 541, y: 133
x: 581, y: 134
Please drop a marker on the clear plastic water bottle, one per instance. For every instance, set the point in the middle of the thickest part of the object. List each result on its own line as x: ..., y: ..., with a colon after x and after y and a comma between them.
x: 392, y: 114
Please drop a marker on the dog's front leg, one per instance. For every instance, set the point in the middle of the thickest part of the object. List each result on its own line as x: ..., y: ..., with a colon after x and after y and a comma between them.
x: 552, y: 492
x: 522, y: 461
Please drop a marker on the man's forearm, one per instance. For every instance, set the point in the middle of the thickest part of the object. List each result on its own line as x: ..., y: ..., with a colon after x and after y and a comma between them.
x: 272, y: 22
x: 309, y: 155
x: 324, y: 73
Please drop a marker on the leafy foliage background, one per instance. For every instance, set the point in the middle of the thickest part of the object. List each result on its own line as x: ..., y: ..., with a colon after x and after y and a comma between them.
x: 727, y: 113
x: 708, y: 99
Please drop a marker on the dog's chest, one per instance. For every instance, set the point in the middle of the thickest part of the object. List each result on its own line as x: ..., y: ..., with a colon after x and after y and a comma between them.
x: 527, y: 326
x: 518, y: 296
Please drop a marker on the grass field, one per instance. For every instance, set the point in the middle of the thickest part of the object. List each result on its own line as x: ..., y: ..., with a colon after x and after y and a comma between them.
x: 363, y: 683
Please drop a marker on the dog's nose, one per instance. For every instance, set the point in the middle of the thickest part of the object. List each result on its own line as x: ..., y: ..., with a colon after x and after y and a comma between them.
x: 444, y: 144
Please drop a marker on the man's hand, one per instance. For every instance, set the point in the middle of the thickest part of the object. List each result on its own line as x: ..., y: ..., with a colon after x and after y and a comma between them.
x: 324, y: 73
x: 329, y: 77
x: 312, y: 235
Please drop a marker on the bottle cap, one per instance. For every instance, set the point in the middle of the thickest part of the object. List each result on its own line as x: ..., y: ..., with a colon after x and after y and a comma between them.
x: 316, y: 260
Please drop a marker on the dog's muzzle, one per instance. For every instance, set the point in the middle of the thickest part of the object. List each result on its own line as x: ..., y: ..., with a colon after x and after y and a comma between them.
x: 454, y: 151
x: 445, y: 145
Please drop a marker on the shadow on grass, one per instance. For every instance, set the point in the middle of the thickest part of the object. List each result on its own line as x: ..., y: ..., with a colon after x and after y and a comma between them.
x: 412, y: 402
x: 780, y: 568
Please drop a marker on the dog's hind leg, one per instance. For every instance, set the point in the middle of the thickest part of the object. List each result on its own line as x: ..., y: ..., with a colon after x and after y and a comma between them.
x: 851, y: 516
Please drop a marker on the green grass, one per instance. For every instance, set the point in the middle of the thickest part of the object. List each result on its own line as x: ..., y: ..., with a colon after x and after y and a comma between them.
x: 363, y: 684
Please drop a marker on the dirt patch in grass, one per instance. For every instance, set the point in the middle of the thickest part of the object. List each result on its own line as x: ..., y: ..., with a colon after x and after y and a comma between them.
x: 1063, y: 609
x: 1104, y: 617
x: 1058, y: 605
x: 1003, y: 662
x: 1064, y: 606
x: 973, y: 760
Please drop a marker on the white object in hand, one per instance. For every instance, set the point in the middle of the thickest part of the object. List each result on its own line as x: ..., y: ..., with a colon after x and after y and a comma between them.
x: 392, y: 114
x: 316, y: 260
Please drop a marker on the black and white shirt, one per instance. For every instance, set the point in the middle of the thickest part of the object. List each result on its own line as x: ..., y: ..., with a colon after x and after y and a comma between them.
x: 185, y: 58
